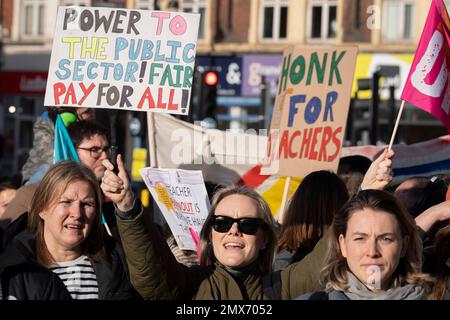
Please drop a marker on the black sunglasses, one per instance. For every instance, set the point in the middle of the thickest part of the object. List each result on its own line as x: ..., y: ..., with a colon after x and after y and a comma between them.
x: 223, y: 224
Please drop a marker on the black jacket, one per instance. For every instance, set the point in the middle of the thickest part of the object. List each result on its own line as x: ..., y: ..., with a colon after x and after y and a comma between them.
x: 24, y: 279
x: 112, y: 273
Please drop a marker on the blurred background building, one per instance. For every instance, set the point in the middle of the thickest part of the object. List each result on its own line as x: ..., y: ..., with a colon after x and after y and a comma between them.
x: 240, y: 42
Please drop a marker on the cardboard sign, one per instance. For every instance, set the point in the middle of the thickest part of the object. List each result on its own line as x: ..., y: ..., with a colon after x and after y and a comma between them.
x: 310, y: 115
x: 182, y: 198
x: 122, y: 59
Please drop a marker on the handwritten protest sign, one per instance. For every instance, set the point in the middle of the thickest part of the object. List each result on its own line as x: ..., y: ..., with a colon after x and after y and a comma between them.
x: 122, y: 59
x: 310, y: 115
x: 182, y: 198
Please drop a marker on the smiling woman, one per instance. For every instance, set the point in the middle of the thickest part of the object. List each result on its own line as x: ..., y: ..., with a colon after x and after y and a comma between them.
x: 237, y: 245
x: 239, y: 232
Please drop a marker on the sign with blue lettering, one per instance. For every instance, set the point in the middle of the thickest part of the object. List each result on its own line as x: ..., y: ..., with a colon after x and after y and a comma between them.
x: 123, y: 59
x: 308, y: 123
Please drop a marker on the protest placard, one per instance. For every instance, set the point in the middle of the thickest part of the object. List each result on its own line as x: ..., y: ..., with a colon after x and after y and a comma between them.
x: 122, y: 59
x: 182, y: 198
x: 311, y: 108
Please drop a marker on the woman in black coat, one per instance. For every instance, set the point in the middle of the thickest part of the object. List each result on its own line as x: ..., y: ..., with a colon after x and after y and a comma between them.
x: 63, y: 233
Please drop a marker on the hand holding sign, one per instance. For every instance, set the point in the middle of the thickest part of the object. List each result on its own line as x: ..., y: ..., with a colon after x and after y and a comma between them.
x: 379, y: 174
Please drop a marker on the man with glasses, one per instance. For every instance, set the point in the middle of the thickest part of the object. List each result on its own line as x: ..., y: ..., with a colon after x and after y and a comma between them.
x: 92, y: 144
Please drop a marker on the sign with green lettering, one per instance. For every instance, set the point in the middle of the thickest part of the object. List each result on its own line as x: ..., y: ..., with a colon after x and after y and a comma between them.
x: 311, y: 108
x: 122, y: 59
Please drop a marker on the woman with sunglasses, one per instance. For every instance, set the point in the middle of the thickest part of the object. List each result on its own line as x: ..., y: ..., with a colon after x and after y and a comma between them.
x: 41, y: 155
x: 237, y: 245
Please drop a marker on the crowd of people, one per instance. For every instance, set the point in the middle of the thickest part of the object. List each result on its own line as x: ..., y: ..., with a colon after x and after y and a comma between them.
x: 78, y: 231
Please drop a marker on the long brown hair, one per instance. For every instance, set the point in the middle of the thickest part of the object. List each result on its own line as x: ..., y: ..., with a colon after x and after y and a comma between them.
x: 437, y: 264
x: 48, y: 192
x: 265, y: 257
x: 311, y: 210
x: 410, y: 265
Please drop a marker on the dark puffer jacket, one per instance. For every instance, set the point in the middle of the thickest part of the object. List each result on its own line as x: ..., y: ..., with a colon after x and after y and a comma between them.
x: 23, y: 279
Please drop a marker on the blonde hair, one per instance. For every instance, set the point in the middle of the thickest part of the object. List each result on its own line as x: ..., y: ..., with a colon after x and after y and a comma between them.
x: 47, y: 194
x: 437, y: 266
x: 266, y: 255
x: 334, y: 274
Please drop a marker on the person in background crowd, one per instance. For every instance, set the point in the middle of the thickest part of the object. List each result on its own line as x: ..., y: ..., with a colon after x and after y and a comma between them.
x: 8, y: 189
x: 421, y: 193
x: 41, y: 155
x: 437, y: 255
x: 351, y: 170
x: 65, y: 235
x: 375, y: 252
x: 309, y: 214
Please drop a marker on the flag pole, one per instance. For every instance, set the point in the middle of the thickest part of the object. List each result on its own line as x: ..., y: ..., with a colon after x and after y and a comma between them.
x: 394, y: 132
x: 287, y: 185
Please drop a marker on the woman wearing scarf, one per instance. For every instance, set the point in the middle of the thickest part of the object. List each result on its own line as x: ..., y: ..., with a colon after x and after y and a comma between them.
x: 375, y: 253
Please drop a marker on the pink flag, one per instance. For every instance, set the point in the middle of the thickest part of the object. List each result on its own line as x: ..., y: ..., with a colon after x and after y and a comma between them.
x: 196, y: 239
x: 427, y: 86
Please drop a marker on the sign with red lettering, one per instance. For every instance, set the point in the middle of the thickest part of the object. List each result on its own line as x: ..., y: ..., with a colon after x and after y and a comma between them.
x: 182, y: 198
x: 123, y: 59
x: 311, y: 108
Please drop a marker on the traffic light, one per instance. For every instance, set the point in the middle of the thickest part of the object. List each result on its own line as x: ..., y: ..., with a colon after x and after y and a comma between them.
x: 208, y: 101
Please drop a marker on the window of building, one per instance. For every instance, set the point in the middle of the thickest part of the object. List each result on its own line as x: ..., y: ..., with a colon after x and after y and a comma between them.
x: 81, y: 3
x: 274, y: 16
x: 398, y: 20
x: 197, y: 6
x: 322, y: 19
x: 147, y: 4
x: 32, y: 18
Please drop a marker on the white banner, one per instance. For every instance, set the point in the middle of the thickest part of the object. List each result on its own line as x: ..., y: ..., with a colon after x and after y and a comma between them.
x: 182, y: 198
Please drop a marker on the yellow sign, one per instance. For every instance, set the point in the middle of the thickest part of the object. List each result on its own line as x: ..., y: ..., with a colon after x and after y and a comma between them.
x: 164, y: 197
x: 139, y: 162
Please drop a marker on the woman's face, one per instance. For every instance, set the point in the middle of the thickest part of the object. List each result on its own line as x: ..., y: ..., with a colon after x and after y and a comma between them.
x: 68, y: 222
x: 233, y: 248
x: 373, y: 246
